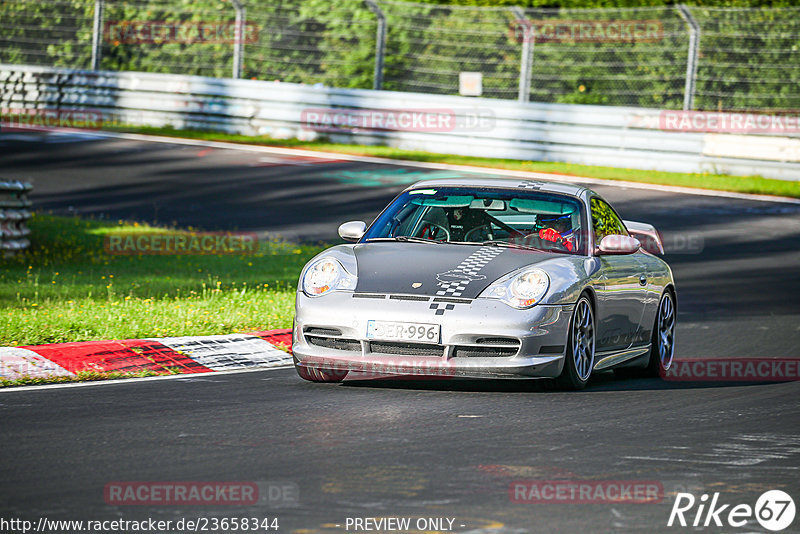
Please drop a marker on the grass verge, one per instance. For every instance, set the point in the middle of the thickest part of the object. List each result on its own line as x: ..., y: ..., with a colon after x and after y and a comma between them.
x: 81, y: 376
x: 720, y: 182
x: 66, y: 287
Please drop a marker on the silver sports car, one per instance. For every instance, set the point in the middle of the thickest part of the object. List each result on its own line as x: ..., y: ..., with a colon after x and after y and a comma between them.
x: 487, y: 278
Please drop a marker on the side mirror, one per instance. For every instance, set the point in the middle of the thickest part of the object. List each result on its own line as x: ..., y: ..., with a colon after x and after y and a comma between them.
x: 618, y: 244
x: 353, y: 230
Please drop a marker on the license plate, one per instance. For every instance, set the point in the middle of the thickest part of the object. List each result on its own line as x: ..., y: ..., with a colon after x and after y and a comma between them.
x: 416, y: 332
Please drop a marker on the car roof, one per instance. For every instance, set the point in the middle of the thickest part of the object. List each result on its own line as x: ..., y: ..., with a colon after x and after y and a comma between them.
x: 504, y: 183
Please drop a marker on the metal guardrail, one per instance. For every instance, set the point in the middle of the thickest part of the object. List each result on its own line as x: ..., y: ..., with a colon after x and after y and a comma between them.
x: 14, y: 216
x: 669, y: 56
x: 592, y: 135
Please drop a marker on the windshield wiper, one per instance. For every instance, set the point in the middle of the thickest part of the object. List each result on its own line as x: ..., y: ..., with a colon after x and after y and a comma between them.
x: 507, y: 244
x: 404, y: 239
x: 495, y: 243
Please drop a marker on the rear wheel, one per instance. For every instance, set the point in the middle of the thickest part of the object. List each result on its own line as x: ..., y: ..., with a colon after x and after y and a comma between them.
x: 579, y: 360
x: 314, y: 374
x: 663, y: 342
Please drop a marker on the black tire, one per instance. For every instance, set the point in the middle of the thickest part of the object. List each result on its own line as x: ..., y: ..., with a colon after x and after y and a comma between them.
x: 578, y: 369
x: 314, y: 374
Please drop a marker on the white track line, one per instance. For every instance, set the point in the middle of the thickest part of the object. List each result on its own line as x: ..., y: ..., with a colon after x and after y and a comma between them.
x: 448, y: 167
x: 118, y: 381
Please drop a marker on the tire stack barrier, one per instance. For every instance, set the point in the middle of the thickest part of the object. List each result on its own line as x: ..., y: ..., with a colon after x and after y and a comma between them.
x: 14, y: 216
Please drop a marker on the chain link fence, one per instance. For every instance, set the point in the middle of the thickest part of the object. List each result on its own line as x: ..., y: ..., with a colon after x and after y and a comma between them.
x: 673, y: 57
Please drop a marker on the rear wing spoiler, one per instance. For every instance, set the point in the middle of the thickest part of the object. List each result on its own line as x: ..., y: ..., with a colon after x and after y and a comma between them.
x: 647, y: 235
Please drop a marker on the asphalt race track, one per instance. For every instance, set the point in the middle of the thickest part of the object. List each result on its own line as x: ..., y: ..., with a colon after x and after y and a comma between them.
x: 426, y: 448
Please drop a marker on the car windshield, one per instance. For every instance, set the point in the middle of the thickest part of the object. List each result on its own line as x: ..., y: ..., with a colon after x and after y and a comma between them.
x: 498, y: 217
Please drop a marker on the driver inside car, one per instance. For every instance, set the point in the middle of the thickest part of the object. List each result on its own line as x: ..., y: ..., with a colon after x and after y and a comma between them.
x: 556, y: 229
x: 464, y: 223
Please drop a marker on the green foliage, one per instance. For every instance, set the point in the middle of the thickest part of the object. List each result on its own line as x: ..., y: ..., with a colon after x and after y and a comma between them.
x: 50, y: 33
x: 593, y: 4
x: 66, y: 287
x: 605, y: 221
x: 748, y: 59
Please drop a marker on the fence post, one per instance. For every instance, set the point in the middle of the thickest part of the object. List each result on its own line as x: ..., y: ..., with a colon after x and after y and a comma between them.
x: 526, y: 61
x: 238, y: 38
x: 694, y: 52
x: 380, y: 44
x: 97, y: 34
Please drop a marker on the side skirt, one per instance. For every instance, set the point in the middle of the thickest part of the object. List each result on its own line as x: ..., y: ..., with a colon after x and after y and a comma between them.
x: 611, y: 358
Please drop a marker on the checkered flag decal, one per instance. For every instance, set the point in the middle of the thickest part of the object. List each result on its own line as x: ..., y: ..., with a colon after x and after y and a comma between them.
x: 470, y: 268
x: 530, y: 184
x: 441, y: 307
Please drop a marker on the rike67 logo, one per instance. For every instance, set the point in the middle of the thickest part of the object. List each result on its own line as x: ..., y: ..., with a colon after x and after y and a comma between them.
x: 774, y: 510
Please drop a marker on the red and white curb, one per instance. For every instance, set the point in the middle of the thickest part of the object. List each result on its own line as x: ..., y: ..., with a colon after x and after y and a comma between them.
x: 199, y: 354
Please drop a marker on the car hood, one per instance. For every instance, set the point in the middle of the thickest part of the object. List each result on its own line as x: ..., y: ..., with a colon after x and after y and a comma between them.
x: 437, y: 269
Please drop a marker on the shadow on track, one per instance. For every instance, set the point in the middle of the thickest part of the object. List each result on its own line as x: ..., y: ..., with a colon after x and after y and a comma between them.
x: 601, y: 382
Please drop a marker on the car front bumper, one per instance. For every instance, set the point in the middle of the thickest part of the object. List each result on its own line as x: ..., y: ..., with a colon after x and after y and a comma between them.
x: 481, y: 338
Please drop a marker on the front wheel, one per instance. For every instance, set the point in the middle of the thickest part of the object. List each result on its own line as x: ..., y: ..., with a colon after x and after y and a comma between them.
x: 579, y: 360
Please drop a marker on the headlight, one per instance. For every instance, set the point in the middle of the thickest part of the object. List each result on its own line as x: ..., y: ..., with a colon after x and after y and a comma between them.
x: 327, y: 275
x: 522, y: 290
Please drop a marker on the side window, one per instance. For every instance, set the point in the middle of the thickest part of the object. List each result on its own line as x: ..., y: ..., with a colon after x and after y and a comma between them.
x: 605, y: 221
